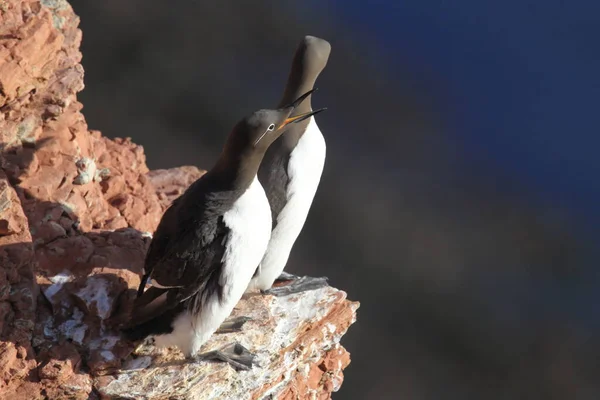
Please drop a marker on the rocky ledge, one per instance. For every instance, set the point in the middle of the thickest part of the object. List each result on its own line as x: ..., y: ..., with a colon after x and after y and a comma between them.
x: 76, y: 210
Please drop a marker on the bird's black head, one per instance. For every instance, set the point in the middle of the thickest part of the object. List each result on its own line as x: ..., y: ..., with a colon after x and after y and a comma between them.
x: 309, y: 60
x: 252, y: 136
x: 311, y: 57
x: 255, y: 133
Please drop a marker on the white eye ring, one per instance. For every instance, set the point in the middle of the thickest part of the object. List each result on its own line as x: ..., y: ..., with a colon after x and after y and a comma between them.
x: 271, y: 127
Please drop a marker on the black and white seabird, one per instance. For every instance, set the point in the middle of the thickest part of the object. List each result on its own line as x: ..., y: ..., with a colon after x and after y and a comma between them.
x: 291, y: 171
x: 208, y: 244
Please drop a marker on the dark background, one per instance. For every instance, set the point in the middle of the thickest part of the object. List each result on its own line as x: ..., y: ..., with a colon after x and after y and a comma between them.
x: 459, y: 201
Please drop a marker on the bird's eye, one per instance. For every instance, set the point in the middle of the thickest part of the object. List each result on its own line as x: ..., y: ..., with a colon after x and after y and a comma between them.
x: 271, y: 127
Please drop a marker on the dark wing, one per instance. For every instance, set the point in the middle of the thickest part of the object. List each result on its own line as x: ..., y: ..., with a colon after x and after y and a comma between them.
x: 274, y: 179
x: 184, y: 256
x: 158, y: 244
x: 190, y: 265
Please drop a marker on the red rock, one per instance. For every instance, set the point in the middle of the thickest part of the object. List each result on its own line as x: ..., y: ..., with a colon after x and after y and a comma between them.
x: 97, y: 297
x: 60, y: 376
x: 63, y: 361
x: 77, y: 387
x: 70, y: 253
x: 171, y: 183
x: 13, y: 367
x: 6, y: 314
x: 11, y: 222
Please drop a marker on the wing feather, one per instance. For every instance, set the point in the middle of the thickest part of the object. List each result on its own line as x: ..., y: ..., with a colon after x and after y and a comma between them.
x: 184, y: 256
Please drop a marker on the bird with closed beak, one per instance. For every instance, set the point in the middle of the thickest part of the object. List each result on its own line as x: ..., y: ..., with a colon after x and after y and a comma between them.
x: 208, y: 244
x: 291, y: 171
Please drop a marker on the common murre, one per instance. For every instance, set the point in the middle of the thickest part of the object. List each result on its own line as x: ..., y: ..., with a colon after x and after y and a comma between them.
x: 208, y: 244
x: 291, y: 171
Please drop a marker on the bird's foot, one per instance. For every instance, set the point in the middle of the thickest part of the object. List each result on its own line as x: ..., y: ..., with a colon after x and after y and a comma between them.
x: 138, y: 349
x: 233, y: 324
x: 298, y: 285
x: 143, y: 345
x: 284, y: 277
x: 236, y: 355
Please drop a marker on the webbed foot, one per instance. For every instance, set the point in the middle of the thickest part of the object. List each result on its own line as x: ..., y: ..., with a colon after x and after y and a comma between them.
x: 236, y: 355
x: 233, y: 324
x: 285, y: 276
x: 298, y: 284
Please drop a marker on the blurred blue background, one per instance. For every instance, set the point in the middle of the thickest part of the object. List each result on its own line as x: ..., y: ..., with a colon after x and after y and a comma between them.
x: 459, y: 202
x: 520, y: 79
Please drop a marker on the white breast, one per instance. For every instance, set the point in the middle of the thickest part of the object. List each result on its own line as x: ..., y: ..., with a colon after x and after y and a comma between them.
x: 249, y: 222
x: 304, y: 170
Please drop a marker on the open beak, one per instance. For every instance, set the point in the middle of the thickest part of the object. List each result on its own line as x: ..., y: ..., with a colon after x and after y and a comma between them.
x: 300, y: 99
x: 301, y: 117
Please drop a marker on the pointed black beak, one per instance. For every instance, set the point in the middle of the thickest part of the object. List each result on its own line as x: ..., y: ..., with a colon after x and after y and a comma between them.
x: 300, y: 99
x: 301, y: 117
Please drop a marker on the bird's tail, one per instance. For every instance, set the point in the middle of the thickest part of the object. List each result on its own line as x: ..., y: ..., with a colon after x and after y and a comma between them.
x: 135, y: 334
